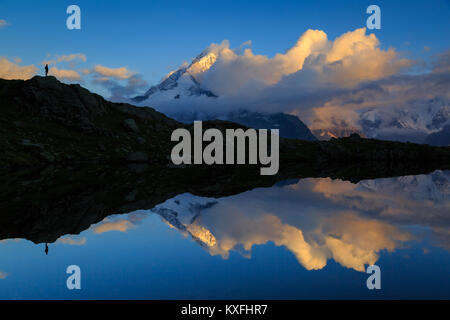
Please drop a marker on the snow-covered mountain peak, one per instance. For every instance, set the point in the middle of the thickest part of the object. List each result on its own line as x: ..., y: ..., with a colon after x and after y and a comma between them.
x: 182, y: 212
x: 202, y: 63
x: 182, y: 82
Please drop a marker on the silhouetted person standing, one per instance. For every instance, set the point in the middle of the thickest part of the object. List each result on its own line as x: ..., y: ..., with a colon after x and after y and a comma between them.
x: 46, y: 248
x: 46, y: 69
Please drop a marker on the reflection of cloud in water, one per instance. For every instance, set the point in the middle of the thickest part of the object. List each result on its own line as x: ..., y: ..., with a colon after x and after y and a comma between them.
x: 413, y: 200
x: 118, y: 223
x: 350, y: 240
x: 106, y: 226
x: 11, y: 240
x: 318, y: 219
x: 72, y: 241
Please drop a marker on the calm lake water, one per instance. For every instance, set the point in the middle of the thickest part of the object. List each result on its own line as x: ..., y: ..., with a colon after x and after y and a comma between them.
x: 308, y: 238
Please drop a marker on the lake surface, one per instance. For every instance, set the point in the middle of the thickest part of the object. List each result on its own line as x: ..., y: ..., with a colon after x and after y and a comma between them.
x: 311, y: 238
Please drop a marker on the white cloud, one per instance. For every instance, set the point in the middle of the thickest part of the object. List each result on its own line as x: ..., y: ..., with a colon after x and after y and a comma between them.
x: 106, y: 226
x: 73, y: 242
x: 65, y: 58
x: 350, y: 59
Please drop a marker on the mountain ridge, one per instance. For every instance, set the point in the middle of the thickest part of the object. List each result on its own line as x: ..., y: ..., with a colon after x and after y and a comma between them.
x: 183, y: 84
x: 171, y: 81
x: 413, y: 121
x: 44, y: 121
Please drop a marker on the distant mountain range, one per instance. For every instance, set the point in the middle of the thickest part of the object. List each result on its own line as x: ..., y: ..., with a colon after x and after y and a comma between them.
x: 183, y: 83
x: 419, y: 121
x: 415, y: 122
x: 336, y: 132
x: 44, y: 121
x: 290, y: 126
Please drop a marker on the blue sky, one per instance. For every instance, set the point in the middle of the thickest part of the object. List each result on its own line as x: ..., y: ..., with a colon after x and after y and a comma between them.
x: 154, y: 37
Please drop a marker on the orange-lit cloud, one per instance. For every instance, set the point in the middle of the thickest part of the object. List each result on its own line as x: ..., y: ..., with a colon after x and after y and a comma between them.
x: 350, y: 59
x: 386, y: 200
x: 118, y: 73
x: 65, y: 58
x: 245, y: 232
x: 121, y: 225
x: 354, y: 241
x: 64, y: 74
x: 73, y: 242
x: 355, y: 57
x: 10, y: 70
x: 347, y: 238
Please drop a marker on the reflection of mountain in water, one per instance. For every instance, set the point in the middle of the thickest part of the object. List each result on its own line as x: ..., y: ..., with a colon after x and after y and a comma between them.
x: 181, y: 213
x: 434, y: 187
x: 42, y: 206
x: 319, y: 219
x: 233, y: 209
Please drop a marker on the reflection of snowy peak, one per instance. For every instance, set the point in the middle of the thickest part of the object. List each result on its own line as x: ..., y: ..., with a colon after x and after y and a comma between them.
x: 181, y: 82
x: 181, y: 213
x: 432, y: 187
